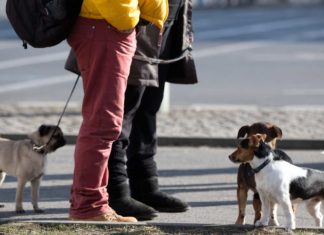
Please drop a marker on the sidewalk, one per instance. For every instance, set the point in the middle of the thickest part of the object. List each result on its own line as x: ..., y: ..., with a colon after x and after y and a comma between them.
x: 204, y: 177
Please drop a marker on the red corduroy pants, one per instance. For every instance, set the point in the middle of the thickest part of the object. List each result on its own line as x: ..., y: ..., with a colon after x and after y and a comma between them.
x: 104, y: 57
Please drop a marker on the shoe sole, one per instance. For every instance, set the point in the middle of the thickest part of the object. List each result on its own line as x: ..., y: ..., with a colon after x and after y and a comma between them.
x: 172, y: 210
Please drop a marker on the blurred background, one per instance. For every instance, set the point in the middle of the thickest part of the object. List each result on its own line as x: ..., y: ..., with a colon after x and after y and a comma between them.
x: 248, y: 52
x: 257, y: 60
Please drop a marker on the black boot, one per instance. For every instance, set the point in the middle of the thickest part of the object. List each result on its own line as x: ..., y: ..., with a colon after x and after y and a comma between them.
x: 142, y: 146
x: 119, y: 192
x: 123, y: 204
x: 147, y: 191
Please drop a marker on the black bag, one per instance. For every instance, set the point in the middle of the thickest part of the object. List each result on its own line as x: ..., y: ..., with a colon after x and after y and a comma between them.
x: 42, y: 23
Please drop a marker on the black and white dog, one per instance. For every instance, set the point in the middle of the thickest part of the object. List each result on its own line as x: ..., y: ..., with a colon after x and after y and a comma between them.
x: 281, y: 182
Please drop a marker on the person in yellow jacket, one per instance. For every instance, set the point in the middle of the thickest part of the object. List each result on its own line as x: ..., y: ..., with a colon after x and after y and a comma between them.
x: 104, y: 41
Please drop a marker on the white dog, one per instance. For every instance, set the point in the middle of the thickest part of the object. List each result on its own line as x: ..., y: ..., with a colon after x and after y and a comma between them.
x: 281, y: 182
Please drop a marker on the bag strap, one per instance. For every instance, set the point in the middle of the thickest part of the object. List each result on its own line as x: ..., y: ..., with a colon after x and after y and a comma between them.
x: 152, y: 61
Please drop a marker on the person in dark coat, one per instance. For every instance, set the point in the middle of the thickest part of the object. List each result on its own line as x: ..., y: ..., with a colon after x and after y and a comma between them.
x: 141, y: 197
x: 133, y: 175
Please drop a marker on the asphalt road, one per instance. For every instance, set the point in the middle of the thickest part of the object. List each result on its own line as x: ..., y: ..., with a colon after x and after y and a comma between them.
x: 267, y: 56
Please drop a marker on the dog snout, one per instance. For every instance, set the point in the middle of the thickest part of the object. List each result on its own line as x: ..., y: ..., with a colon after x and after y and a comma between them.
x: 61, y: 142
x: 233, y: 158
x: 57, y: 144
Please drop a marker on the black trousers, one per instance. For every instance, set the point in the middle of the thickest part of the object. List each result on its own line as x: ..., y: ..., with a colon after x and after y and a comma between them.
x: 138, y: 139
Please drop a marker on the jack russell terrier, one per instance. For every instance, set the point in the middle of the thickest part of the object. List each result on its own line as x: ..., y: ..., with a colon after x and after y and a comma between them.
x: 280, y: 181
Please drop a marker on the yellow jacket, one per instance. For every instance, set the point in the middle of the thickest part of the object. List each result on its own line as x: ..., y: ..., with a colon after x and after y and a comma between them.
x: 125, y: 14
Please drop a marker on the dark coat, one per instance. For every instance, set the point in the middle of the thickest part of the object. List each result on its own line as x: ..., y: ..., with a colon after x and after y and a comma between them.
x: 174, y: 50
x: 180, y: 42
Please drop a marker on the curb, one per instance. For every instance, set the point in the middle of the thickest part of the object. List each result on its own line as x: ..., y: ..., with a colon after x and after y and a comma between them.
x: 296, y: 144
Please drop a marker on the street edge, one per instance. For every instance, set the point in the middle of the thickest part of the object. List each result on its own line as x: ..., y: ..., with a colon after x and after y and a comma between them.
x: 297, y: 144
x: 247, y: 227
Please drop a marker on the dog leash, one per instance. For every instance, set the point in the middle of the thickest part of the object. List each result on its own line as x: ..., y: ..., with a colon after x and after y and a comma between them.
x: 40, y: 149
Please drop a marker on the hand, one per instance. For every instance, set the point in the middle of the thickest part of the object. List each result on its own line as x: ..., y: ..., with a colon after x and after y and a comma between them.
x: 143, y: 22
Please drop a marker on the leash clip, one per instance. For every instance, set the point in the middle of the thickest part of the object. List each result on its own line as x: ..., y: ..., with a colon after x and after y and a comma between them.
x: 39, y: 149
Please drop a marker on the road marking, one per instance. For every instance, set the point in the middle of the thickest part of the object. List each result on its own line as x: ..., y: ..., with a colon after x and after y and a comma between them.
x: 10, y: 44
x: 36, y: 83
x: 303, y: 92
x: 7, y: 33
x: 305, y: 35
x: 226, y: 49
x: 31, y: 60
x: 287, y: 57
x: 255, y: 28
x: 315, y: 34
x: 218, y: 50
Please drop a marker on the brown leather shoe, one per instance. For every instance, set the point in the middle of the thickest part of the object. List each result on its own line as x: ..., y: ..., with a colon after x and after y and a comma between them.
x: 110, y: 216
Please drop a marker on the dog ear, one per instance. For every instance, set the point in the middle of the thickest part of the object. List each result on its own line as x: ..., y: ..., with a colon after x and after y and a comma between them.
x: 257, y: 139
x: 242, y: 131
x: 44, y: 130
x: 275, y: 132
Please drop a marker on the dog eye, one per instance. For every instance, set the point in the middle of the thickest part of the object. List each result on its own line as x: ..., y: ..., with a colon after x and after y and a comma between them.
x: 245, y: 143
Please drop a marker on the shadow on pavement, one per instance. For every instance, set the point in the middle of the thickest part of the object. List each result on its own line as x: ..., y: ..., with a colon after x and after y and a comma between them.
x: 46, y: 194
x: 196, y: 172
x: 213, y: 203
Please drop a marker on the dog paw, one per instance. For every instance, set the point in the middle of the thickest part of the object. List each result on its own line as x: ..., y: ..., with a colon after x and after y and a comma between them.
x: 274, y: 222
x: 240, y: 221
x: 289, y: 231
x: 38, y: 211
x: 261, y: 223
x: 20, y: 211
x: 290, y: 227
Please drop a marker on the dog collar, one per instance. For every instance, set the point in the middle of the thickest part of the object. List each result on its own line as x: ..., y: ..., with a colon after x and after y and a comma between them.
x: 39, y: 149
x: 263, y: 165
